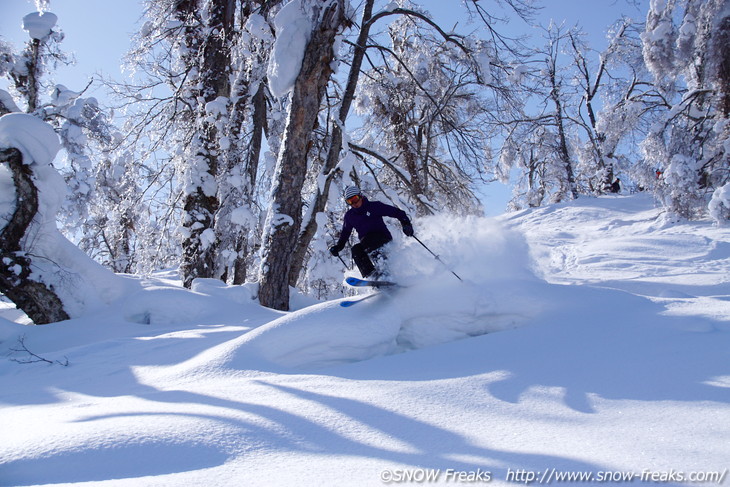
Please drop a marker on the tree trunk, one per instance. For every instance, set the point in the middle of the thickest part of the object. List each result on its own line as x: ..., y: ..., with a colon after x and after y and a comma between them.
x: 41, y: 304
x: 723, y: 68
x: 250, y: 172
x: 201, y: 203
x: 401, y: 123
x: 568, y: 185
x: 333, y: 155
x: 284, y: 218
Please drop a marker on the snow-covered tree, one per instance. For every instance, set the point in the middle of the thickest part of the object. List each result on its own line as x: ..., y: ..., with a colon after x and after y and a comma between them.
x: 424, y: 106
x: 41, y: 53
x: 686, y: 45
x: 42, y: 272
x: 253, y: 123
x: 325, y: 174
x: 199, y: 113
x: 303, y: 73
x: 597, y: 159
x: 205, y: 53
x: 545, y: 120
x: 115, y: 217
x: 29, y: 293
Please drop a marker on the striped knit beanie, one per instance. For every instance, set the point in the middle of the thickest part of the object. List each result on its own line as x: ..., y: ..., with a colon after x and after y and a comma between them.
x: 351, y: 191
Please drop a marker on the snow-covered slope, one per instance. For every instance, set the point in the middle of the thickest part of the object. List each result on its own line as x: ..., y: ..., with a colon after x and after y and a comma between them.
x: 588, y: 337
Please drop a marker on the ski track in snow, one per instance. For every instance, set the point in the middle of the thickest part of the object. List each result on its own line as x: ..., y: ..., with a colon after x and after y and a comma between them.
x: 587, y: 337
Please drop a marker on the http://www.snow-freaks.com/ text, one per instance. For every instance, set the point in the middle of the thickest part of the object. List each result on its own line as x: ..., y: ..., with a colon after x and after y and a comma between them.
x: 548, y: 476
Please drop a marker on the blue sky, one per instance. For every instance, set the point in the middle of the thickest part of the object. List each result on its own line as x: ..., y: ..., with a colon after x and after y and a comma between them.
x: 98, y: 33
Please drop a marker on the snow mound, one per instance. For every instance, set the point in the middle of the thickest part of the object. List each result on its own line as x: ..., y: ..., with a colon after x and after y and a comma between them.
x: 293, y: 29
x: 33, y: 137
x: 39, y: 25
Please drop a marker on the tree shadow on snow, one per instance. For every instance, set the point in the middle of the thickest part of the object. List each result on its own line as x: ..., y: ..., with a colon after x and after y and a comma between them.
x: 243, y: 427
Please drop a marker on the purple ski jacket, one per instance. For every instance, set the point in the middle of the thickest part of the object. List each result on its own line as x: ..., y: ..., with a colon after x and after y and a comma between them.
x: 368, y: 219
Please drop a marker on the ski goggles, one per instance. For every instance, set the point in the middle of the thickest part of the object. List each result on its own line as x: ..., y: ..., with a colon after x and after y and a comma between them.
x: 353, y: 199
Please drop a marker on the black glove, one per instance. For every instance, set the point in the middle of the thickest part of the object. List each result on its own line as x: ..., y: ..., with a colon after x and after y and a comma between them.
x: 408, y: 229
x: 335, y: 250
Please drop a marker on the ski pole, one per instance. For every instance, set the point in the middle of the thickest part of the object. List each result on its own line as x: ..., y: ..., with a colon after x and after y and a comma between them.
x: 342, y: 260
x: 437, y: 258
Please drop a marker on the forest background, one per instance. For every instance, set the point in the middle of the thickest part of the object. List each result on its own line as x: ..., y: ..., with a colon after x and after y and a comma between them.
x: 224, y: 149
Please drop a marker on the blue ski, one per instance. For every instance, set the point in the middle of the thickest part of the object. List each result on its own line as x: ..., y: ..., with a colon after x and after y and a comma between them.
x: 354, y: 281
x: 350, y: 302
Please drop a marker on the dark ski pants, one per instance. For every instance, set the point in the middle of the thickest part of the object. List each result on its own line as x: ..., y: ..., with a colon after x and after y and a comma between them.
x: 369, y: 246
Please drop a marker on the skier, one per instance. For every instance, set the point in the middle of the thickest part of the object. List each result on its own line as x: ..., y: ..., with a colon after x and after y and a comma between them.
x: 366, y: 217
x: 615, y: 186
